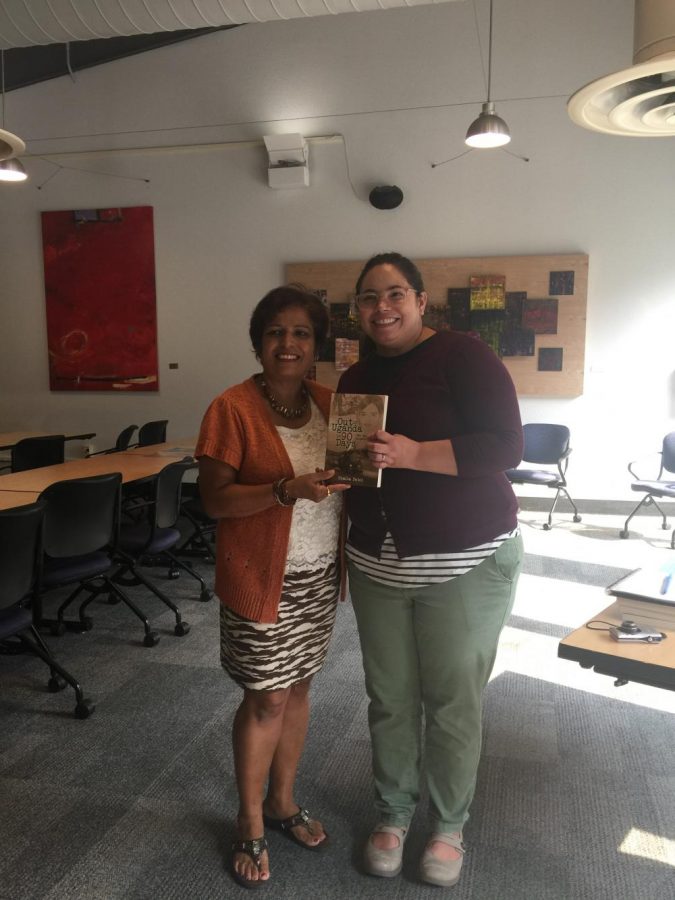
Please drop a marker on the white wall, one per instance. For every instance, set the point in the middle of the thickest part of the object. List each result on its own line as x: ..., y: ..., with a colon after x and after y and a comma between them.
x: 402, y: 87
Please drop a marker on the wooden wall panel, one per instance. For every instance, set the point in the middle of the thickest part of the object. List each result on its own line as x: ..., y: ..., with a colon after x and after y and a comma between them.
x: 523, y: 273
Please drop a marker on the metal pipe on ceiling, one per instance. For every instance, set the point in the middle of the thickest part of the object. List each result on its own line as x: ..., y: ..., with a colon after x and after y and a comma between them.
x: 25, y: 23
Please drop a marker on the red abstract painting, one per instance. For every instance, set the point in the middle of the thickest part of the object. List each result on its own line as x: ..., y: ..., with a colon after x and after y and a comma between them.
x: 100, y: 294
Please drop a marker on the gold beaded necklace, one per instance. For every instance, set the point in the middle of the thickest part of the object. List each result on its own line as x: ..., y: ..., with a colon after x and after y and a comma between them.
x: 288, y: 412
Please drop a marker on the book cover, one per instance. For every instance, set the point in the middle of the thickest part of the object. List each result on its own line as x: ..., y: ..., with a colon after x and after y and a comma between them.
x: 353, y: 418
x: 656, y: 585
x: 346, y: 353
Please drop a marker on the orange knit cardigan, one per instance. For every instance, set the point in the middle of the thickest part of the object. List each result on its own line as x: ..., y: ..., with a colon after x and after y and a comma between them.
x: 251, y: 551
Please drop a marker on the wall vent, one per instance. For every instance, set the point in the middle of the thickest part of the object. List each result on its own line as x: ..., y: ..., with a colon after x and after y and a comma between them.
x: 638, y: 101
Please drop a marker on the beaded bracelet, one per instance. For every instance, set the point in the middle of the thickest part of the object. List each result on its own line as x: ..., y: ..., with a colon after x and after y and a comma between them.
x: 281, y: 495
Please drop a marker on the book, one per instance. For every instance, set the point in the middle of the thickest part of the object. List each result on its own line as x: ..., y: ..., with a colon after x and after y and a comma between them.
x: 646, y: 613
x: 656, y: 585
x: 346, y: 353
x: 647, y: 596
x: 353, y: 418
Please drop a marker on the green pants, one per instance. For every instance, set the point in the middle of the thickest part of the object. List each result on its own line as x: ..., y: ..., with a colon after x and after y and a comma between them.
x: 427, y: 656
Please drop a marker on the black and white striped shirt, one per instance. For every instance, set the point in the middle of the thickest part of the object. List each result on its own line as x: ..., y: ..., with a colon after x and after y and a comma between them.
x: 423, y: 570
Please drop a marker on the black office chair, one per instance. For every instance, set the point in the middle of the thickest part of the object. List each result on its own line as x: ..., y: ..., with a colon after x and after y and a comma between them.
x: 547, y: 445
x: 35, y: 452
x: 199, y: 539
x: 152, y: 433
x: 79, y: 539
x: 155, y: 536
x: 20, y: 552
x: 122, y: 442
x: 661, y: 487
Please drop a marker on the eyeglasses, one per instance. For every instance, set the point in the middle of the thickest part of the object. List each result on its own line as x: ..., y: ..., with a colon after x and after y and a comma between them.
x: 394, y: 295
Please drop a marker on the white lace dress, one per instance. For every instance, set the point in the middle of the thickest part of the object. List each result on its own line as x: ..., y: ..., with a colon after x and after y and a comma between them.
x: 271, y: 656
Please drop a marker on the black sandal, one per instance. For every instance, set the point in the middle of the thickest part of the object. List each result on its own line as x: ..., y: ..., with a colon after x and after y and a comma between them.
x: 285, y: 826
x: 253, y: 849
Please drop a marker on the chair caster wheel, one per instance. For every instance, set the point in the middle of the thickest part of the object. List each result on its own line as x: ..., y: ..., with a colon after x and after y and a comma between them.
x: 576, y: 519
x: 665, y: 527
x: 86, y: 623
x: 623, y: 534
x: 205, y: 596
x: 547, y: 527
x: 181, y: 629
x: 84, y: 709
x: 173, y: 573
x: 151, y: 639
x: 55, y: 684
x: 58, y: 629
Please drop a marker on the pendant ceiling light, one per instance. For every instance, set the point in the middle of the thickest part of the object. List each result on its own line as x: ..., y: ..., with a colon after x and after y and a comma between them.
x: 489, y: 129
x: 10, y: 145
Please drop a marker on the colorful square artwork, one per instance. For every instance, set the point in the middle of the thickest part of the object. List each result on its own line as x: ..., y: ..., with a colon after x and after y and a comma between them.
x: 322, y: 294
x: 488, y: 324
x: 459, y: 304
x: 514, y: 307
x: 516, y: 341
x: 437, y: 317
x: 99, y: 267
x: 561, y: 283
x: 541, y: 315
x: 487, y: 291
x: 550, y: 359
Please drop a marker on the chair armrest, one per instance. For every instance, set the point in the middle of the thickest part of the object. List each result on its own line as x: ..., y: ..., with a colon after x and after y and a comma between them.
x: 640, y: 459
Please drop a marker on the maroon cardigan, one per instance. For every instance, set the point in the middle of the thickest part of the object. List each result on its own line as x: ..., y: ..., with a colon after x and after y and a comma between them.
x: 449, y: 386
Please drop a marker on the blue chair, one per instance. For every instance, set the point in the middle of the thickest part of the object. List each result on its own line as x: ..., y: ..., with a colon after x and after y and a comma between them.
x: 20, y: 554
x: 155, y: 536
x: 122, y: 442
x: 199, y: 540
x: 152, y: 433
x: 35, y: 452
x: 79, y: 541
x: 662, y: 487
x: 547, y: 445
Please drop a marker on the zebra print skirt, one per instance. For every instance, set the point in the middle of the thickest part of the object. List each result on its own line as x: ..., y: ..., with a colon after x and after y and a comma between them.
x: 264, y: 656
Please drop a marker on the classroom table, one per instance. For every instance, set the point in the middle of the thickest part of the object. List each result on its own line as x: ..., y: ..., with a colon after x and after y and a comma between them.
x: 132, y: 465
x: 9, y: 438
x: 10, y: 499
x: 652, y: 664
x: 177, y: 449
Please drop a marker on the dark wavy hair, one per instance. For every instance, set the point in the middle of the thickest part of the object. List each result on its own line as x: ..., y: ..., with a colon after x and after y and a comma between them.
x: 286, y: 297
x: 406, y: 267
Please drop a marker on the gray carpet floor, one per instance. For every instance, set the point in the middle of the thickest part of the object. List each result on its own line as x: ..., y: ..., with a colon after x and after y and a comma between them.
x: 576, y: 789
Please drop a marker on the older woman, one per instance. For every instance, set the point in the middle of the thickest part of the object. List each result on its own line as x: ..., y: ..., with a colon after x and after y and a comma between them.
x: 261, y: 452
x: 434, y: 556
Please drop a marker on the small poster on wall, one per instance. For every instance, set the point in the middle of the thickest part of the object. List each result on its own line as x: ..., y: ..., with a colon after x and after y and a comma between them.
x: 100, y: 296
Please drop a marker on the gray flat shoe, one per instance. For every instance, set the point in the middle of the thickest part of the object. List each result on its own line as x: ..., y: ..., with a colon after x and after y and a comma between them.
x: 384, y: 863
x: 442, y: 872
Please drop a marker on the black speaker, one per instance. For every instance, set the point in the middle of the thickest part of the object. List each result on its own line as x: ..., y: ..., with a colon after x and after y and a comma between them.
x: 386, y: 196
